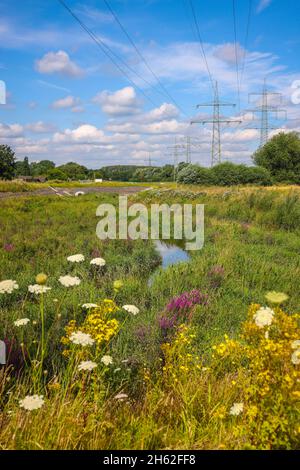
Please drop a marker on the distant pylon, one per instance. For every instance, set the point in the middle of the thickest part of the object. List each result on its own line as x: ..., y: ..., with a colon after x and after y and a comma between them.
x: 188, y: 149
x: 150, y: 162
x: 216, y: 121
x: 264, y: 109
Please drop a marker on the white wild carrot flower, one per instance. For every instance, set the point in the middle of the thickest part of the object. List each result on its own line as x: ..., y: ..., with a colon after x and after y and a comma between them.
x: 82, y: 339
x: 32, y: 402
x: 264, y: 317
x: 8, y: 286
x: 131, y: 309
x: 69, y: 281
x: 98, y: 262
x: 107, y: 360
x: 88, y: 306
x: 87, y: 365
x: 38, y: 289
x: 22, y: 322
x: 236, y: 409
x: 76, y: 258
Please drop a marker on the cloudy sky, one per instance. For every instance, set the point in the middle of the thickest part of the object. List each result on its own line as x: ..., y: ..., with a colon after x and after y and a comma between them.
x: 134, y: 89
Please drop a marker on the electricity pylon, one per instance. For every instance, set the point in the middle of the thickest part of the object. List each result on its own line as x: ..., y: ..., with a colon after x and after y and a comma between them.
x: 216, y: 121
x: 264, y: 110
x: 188, y: 149
x: 175, y: 152
x: 186, y: 144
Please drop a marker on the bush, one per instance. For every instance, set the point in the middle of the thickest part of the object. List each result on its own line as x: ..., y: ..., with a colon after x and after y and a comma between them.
x: 229, y: 174
x: 256, y: 175
x: 195, y: 174
x: 56, y: 174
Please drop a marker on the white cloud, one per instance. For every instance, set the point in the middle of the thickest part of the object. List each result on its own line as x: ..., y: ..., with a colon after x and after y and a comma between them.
x: 227, y: 52
x: 165, y: 111
x: 119, y: 103
x: 11, y: 131
x: 58, y: 63
x: 83, y: 134
x: 67, y: 102
x: 40, y: 127
x: 171, y: 126
x: 263, y: 4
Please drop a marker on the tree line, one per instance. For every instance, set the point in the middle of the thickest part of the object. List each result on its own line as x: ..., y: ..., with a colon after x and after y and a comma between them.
x: 277, y: 161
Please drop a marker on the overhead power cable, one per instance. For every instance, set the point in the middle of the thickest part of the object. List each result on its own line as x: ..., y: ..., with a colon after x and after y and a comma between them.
x: 163, y: 88
x: 109, y: 53
x: 246, y: 39
x: 236, y: 54
x: 201, y: 44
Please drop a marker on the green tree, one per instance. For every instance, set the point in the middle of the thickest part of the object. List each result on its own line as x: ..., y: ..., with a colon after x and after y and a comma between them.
x: 22, y: 168
x: 7, y: 162
x: 41, y: 168
x: 74, y: 171
x: 26, y: 167
x: 281, y: 156
x: 56, y: 174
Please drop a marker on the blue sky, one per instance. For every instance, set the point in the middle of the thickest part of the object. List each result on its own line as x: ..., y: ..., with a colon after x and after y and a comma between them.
x: 67, y: 101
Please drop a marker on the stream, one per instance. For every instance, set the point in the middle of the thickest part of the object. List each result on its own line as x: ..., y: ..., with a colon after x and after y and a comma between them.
x: 171, y: 254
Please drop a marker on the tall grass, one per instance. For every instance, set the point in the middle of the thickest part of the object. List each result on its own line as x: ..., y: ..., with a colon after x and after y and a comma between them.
x: 251, y: 247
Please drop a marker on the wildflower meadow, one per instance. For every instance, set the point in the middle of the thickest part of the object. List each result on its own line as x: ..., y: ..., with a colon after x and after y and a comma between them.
x: 205, y: 356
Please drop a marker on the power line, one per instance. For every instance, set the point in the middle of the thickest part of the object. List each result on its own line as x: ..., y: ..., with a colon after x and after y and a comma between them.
x: 216, y: 121
x: 108, y: 52
x: 165, y: 91
x: 201, y: 42
x: 236, y: 54
x: 246, y: 40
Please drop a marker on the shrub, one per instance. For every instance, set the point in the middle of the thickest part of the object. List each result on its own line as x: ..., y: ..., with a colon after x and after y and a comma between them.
x: 228, y: 174
x: 195, y: 174
x: 56, y: 174
x: 256, y: 175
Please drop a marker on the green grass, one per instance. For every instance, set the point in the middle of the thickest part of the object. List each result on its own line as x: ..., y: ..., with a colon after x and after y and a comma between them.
x: 253, y: 235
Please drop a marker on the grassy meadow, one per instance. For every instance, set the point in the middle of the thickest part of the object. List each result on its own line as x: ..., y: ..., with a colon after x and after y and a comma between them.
x: 195, y: 372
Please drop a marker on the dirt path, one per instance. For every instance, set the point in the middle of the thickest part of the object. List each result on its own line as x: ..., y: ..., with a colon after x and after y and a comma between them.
x: 67, y: 192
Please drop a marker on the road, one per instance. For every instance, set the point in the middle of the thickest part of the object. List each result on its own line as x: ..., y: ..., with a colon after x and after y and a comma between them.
x: 67, y: 192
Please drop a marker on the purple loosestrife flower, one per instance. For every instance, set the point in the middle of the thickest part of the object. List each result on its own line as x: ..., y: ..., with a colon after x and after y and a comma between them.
x: 180, y: 309
x: 8, y: 247
x: 187, y: 300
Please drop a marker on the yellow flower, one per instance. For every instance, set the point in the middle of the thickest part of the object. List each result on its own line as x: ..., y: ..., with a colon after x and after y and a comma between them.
x: 118, y: 284
x: 276, y: 297
x: 41, y: 279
